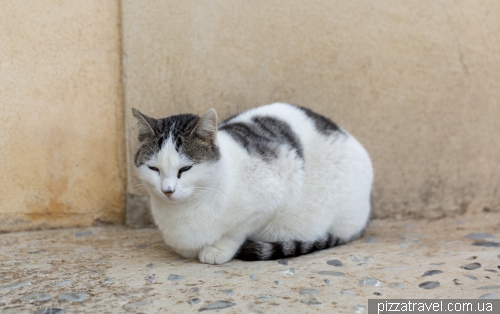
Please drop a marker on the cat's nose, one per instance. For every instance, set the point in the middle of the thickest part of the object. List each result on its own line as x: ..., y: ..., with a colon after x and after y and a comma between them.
x: 168, y: 192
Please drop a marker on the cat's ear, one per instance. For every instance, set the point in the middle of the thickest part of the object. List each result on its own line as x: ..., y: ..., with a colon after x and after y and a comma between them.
x: 207, y: 126
x: 146, y: 124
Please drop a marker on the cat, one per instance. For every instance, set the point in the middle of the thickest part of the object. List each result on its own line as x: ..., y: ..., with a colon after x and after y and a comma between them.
x: 273, y: 182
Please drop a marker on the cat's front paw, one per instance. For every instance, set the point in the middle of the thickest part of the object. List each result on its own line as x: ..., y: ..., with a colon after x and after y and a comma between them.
x: 213, y: 255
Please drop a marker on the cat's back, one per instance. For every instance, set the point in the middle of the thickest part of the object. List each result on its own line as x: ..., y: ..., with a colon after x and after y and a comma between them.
x: 298, y: 118
x: 293, y: 136
x: 262, y: 129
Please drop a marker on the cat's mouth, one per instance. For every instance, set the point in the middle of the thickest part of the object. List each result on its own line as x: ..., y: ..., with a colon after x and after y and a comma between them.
x: 171, y: 198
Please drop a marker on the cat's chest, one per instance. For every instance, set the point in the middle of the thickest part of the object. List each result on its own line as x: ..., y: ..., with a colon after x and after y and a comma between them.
x: 187, y: 228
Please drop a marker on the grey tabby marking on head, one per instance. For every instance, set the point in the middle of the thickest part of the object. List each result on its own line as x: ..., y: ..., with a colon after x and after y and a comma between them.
x: 256, y: 186
x: 154, y: 133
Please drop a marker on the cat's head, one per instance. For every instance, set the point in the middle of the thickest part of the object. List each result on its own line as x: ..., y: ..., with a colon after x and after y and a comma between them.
x: 177, y: 156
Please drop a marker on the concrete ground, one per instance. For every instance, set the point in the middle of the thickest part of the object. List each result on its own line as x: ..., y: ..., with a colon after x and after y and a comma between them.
x: 114, y: 269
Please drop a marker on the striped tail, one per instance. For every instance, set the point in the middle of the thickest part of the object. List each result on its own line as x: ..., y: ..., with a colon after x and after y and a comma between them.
x: 258, y: 250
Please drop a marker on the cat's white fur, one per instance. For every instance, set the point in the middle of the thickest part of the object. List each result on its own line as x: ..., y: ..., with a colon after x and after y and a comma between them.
x: 217, y: 206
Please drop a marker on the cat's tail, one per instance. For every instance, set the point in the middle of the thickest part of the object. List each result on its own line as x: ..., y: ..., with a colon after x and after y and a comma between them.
x: 258, y: 250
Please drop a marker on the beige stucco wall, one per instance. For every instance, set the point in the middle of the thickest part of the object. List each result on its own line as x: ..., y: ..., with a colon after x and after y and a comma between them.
x: 415, y: 81
x: 61, y: 141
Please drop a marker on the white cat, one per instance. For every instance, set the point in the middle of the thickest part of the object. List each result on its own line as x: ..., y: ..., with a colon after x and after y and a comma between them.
x: 273, y: 182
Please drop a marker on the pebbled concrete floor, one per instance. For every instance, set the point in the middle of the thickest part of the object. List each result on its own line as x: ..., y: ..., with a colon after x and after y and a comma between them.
x: 115, y: 269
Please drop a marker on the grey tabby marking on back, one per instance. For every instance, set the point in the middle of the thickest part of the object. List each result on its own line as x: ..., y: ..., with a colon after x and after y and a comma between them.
x: 263, y: 136
x: 154, y: 133
x: 323, y: 124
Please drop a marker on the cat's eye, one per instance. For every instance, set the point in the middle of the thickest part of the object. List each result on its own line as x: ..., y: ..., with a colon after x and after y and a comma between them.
x: 182, y: 170
x: 154, y: 169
